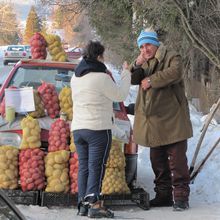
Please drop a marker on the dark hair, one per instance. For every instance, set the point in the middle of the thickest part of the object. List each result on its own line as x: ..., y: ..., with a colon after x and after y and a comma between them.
x: 93, y: 49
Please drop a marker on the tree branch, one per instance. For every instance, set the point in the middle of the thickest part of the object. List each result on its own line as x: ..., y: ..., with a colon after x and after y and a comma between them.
x: 195, y: 39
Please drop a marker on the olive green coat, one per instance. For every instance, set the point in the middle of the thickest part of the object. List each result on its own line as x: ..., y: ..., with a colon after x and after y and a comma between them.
x: 161, y: 112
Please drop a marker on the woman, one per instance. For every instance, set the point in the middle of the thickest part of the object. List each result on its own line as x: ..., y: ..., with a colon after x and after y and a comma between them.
x: 93, y: 93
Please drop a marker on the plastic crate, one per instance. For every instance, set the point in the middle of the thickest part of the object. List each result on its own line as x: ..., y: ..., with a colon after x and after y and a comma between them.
x: 58, y: 199
x: 118, y: 199
x: 137, y: 197
x: 24, y: 198
x: 141, y: 198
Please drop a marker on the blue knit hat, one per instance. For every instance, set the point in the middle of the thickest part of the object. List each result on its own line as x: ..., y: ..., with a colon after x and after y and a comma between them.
x: 148, y: 37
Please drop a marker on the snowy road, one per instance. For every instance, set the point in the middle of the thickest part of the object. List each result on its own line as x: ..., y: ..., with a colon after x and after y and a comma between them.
x: 196, y: 212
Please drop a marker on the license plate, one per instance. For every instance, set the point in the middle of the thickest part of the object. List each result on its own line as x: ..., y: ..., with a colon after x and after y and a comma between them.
x: 15, y: 54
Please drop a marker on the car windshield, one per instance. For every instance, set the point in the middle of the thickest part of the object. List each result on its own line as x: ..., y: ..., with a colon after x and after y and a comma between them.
x: 116, y: 106
x: 27, y: 48
x: 34, y: 76
x: 15, y: 48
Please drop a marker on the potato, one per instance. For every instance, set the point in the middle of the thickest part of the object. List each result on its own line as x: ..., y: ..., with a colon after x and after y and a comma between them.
x: 59, y: 188
x: 10, y: 174
x: 32, y: 139
x: 59, y: 166
x: 57, y: 173
x: 48, y: 170
x: 3, y: 166
x: 54, y: 182
x: 64, y: 177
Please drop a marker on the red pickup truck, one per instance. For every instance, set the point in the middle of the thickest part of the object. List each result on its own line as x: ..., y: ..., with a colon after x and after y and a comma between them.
x: 32, y: 73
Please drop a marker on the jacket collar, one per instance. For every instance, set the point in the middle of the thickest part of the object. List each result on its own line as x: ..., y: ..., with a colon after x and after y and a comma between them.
x: 161, y: 52
x: 89, y: 65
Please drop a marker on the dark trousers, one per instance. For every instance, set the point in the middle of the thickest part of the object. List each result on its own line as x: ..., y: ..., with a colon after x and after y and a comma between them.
x: 169, y: 164
x: 93, y: 149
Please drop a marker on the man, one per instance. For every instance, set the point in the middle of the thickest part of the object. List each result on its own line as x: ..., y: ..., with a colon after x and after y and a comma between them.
x: 162, y: 120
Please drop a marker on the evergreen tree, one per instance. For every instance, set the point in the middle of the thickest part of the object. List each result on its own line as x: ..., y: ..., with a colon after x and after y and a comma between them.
x: 113, y: 22
x: 44, y: 27
x: 58, y: 18
x: 33, y: 25
x: 9, y: 26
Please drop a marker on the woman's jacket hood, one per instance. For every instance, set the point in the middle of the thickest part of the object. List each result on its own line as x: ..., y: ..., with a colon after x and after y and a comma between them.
x: 89, y: 65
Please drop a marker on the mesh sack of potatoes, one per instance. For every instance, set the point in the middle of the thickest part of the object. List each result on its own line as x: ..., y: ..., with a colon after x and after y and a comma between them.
x: 116, y: 156
x: 74, y: 166
x: 114, y: 181
x: 66, y: 104
x: 59, y: 135
x: 72, y: 144
x: 39, y: 108
x: 57, y: 171
x: 31, y: 169
x: 8, y: 167
x: 30, y: 133
x: 49, y: 97
x: 55, y: 48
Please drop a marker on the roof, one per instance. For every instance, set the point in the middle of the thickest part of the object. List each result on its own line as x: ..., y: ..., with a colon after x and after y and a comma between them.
x: 73, y: 62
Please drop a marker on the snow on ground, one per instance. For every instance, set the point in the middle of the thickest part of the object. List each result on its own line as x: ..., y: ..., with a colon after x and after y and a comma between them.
x: 196, y: 212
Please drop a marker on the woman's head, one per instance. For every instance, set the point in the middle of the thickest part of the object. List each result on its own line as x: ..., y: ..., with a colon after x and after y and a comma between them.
x: 94, y: 50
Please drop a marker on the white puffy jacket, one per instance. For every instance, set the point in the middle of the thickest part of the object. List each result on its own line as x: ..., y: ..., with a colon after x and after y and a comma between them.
x: 93, y: 96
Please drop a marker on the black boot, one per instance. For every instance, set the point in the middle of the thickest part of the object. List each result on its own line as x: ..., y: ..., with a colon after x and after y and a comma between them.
x: 83, y: 208
x: 180, y: 205
x: 97, y: 210
x: 162, y: 198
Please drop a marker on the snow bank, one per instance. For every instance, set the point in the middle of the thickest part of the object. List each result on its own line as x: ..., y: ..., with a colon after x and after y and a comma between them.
x: 2, y: 48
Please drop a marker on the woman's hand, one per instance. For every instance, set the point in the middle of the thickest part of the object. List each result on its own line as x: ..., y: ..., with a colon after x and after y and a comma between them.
x: 125, y: 65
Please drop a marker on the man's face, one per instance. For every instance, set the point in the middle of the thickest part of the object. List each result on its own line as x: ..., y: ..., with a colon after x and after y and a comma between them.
x: 148, y: 51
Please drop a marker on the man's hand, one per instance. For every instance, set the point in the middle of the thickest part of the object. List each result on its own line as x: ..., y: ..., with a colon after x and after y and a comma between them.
x: 143, y: 57
x: 140, y: 60
x: 145, y: 84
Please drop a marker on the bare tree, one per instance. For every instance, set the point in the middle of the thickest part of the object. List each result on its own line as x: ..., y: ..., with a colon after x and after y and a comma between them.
x: 75, y: 24
x: 8, y: 25
x: 72, y: 6
x: 201, y: 22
